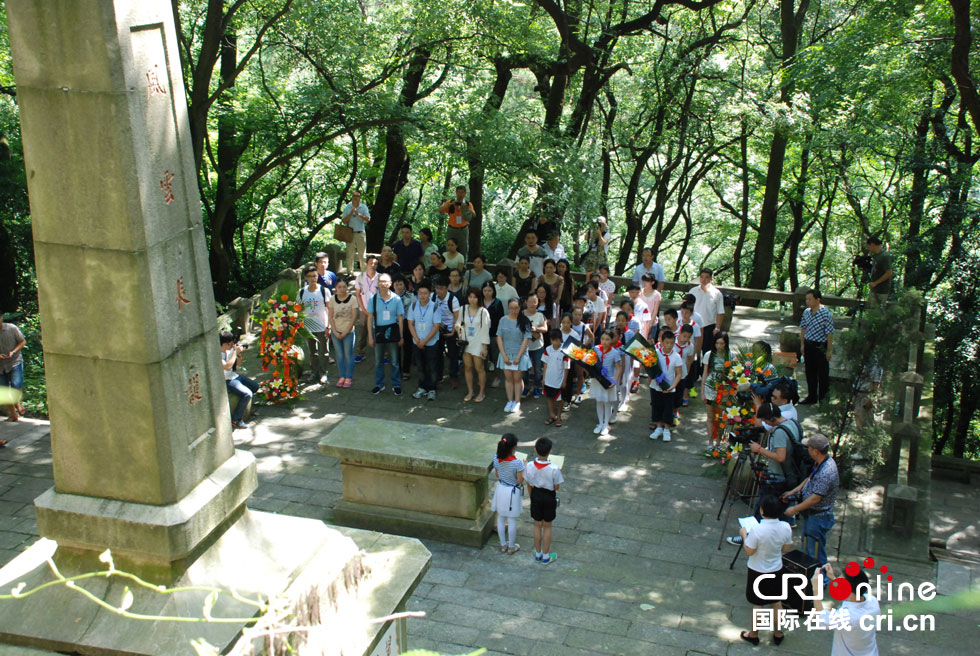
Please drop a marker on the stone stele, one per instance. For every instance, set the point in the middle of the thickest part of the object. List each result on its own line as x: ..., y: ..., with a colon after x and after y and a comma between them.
x: 144, y: 463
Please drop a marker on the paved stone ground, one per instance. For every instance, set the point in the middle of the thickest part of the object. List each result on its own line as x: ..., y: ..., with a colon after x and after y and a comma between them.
x: 639, y: 569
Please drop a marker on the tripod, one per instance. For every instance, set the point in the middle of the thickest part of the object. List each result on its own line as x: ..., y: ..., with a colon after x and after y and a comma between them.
x: 749, y: 497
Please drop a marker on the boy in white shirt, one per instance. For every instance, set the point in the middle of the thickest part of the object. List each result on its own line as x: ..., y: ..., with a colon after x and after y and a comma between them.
x: 685, y: 348
x: 663, y: 393
x: 544, y: 478
x: 556, y: 365
x: 595, y: 306
x: 314, y: 298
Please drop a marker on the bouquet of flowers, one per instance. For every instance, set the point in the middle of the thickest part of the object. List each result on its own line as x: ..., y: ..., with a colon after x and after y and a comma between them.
x: 588, y: 360
x: 640, y: 350
x: 281, y: 318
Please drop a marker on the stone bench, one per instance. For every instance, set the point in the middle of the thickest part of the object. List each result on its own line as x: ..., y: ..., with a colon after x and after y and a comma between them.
x: 411, y: 479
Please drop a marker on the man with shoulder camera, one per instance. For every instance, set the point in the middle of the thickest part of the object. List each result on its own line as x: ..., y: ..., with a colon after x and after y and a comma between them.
x: 780, y: 472
x: 818, y: 492
x: 460, y: 213
x: 880, y: 285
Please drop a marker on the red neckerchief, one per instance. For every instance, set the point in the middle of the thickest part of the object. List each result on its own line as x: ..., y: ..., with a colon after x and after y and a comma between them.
x: 509, y: 458
x: 541, y: 465
x: 666, y: 357
x: 602, y: 355
x: 618, y: 343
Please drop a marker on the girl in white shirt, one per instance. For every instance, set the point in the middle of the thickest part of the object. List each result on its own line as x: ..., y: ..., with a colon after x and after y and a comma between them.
x: 473, y: 327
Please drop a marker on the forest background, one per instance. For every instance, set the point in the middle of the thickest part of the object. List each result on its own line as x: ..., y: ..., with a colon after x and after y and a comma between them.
x: 764, y: 139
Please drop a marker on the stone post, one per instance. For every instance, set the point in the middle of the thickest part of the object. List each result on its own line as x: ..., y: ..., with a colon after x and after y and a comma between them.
x: 140, y: 428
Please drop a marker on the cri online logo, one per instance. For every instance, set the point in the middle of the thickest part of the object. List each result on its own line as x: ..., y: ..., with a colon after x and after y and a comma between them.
x: 840, y: 588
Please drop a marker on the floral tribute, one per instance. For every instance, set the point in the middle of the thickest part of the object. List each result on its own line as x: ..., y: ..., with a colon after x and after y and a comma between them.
x: 281, y: 318
x: 588, y: 359
x: 643, y: 352
x: 733, y: 399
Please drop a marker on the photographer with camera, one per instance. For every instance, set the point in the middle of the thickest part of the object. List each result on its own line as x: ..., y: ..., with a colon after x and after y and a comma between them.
x: 819, y: 492
x: 460, y: 213
x: 880, y: 284
x: 780, y: 473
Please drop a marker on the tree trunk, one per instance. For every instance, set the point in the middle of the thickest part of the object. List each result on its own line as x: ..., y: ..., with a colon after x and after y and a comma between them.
x: 743, y: 149
x: 224, y: 218
x: 474, y: 149
x: 790, y: 23
x: 797, y: 205
x: 394, y: 176
x: 917, y: 201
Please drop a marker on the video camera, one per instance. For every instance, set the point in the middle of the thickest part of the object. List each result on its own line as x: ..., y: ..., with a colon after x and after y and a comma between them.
x: 865, y: 263
x: 744, y: 436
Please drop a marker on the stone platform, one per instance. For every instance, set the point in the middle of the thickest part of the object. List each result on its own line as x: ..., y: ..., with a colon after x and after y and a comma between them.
x: 411, y: 479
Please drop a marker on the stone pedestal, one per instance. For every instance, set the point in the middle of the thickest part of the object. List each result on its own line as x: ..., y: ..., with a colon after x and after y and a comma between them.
x: 411, y: 479
x: 338, y: 579
x: 900, y: 508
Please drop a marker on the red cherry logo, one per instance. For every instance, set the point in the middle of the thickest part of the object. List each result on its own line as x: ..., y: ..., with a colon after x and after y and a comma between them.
x: 840, y: 589
x: 869, y: 562
x: 884, y: 569
x: 852, y: 569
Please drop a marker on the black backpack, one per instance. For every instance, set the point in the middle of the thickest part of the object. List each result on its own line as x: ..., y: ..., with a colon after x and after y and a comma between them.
x: 798, y: 463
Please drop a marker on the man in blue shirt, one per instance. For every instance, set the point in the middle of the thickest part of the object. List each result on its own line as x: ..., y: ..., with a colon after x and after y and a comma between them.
x: 816, y: 333
x: 386, y: 318
x: 424, y: 323
x: 647, y: 265
x: 325, y: 277
x: 819, y: 492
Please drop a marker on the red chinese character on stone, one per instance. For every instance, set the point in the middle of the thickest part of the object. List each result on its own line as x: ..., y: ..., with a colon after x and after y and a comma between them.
x: 182, y: 299
x: 154, y: 85
x: 193, y: 390
x: 167, y: 185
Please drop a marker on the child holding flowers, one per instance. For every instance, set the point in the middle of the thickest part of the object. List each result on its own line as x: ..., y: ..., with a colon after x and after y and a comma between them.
x: 609, y: 360
x: 663, y: 389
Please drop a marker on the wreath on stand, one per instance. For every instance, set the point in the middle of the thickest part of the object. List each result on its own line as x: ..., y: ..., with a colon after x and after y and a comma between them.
x: 281, y: 319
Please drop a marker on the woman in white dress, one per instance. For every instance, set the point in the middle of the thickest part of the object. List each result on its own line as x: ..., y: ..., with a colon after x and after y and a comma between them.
x: 473, y: 327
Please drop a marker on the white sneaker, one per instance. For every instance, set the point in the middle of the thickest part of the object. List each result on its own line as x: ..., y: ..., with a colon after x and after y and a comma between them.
x: 597, y: 429
x: 666, y: 435
x: 605, y: 430
x: 419, y: 393
x: 657, y: 433
x: 432, y: 395
x: 516, y: 407
x: 614, y: 418
x: 509, y: 406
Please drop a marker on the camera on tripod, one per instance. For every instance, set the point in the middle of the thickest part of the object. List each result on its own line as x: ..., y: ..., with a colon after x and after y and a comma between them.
x: 744, y: 436
x: 865, y: 263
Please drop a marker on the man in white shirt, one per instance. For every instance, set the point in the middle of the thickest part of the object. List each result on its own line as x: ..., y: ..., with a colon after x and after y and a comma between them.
x: 861, y: 610
x: 365, y: 287
x: 780, y: 396
x: 505, y: 290
x: 648, y: 266
x: 553, y: 247
x: 314, y: 298
x: 356, y: 215
x: 710, y: 304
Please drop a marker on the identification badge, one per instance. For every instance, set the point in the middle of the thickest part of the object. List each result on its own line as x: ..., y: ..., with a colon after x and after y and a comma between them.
x: 472, y: 331
x: 386, y: 316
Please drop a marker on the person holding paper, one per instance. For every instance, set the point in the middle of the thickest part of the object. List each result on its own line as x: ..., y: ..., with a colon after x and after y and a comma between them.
x: 765, y: 545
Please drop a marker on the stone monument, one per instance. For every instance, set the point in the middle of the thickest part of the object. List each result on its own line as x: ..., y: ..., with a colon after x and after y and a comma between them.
x: 144, y: 463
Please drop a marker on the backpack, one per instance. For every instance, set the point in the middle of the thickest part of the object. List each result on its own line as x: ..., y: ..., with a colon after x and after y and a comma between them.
x: 798, y: 463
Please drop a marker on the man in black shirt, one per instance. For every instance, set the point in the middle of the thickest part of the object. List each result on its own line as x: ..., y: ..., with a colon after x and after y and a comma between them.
x: 387, y: 263
x: 407, y: 250
x: 881, y: 273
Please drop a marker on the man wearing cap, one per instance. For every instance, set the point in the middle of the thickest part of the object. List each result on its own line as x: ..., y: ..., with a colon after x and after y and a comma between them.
x: 460, y: 213
x: 819, y: 492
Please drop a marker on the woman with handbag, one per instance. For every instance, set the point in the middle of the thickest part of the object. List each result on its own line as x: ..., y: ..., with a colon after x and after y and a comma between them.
x: 473, y: 329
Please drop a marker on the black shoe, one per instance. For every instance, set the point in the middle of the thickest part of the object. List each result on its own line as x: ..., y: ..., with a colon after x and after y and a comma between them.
x: 378, y: 389
x: 397, y: 391
x: 752, y: 641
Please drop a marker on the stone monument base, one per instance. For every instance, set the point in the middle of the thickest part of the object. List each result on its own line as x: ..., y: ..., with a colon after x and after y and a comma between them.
x: 336, y: 579
x: 458, y: 530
